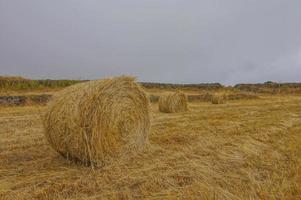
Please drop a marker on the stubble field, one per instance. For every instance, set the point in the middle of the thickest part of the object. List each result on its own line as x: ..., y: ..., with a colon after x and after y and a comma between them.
x: 244, y: 149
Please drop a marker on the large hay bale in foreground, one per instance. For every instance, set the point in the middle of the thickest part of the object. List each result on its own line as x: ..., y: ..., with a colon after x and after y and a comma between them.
x: 96, y: 120
x: 218, y: 99
x: 172, y: 103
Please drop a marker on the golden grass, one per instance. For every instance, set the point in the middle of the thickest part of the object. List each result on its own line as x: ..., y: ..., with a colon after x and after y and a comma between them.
x: 97, y: 120
x: 173, y: 102
x: 246, y: 149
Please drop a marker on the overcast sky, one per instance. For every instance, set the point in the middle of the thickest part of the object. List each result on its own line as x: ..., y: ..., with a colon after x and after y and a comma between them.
x: 181, y: 41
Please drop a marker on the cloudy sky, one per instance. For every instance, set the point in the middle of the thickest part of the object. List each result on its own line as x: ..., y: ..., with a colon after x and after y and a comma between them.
x: 181, y: 41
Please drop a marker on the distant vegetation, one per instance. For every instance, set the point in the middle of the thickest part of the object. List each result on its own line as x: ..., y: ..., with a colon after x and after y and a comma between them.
x: 20, y: 83
x: 205, y: 86
x: 269, y: 87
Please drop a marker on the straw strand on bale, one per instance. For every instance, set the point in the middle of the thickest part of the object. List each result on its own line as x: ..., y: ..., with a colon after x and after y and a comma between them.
x: 172, y: 103
x: 96, y: 120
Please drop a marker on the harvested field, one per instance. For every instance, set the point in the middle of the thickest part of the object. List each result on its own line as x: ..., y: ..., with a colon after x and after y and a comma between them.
x: 150, y: 100
x: 245, y: 149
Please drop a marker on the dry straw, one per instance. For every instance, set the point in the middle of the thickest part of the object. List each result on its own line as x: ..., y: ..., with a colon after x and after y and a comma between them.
x: 95, y: 121
x: 218, y: 99
x: 172, y: 103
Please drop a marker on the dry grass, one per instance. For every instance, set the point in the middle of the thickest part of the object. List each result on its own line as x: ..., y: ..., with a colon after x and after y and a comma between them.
x: 98, y: 120
x: 173, y: 102
x: 246, y: 149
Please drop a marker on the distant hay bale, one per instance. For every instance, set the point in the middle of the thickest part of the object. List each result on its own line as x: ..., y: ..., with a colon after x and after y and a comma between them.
x: 172, y: 103
x: 94, y: 121
x: 218, y: 99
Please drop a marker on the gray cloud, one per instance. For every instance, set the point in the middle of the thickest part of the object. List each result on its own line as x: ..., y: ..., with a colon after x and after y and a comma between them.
x: 168, y: 41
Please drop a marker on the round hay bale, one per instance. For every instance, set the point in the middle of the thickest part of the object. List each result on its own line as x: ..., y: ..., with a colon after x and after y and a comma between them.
x: 96, y: 120
x: 218, y: 99
x: 172, y: 103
